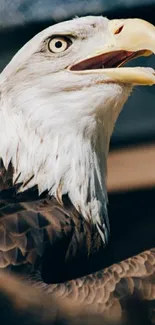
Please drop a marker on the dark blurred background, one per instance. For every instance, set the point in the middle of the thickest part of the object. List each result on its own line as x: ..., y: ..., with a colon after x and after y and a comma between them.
x: 132, y: 213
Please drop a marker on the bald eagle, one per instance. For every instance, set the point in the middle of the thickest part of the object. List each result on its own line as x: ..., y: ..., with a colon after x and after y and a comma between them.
x: 60, y: 97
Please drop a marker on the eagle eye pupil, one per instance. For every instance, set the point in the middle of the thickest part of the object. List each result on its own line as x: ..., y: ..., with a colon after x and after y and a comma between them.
x: 58, y: 44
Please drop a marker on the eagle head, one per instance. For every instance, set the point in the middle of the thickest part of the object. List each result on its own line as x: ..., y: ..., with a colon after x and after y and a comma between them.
x: 59, y: 99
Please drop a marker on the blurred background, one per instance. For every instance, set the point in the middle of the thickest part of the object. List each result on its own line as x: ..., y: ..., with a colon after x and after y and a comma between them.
x: 131, y: 180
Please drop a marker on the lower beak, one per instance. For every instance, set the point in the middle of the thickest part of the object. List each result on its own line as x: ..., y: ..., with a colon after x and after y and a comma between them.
x: 130, y: 38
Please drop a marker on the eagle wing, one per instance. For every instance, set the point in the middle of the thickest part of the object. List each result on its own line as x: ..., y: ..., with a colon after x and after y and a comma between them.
x: 114, y: 291
x: 121, y: 294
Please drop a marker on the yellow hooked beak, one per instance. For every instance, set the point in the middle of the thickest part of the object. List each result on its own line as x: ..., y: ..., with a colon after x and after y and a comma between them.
x: 130, y: 38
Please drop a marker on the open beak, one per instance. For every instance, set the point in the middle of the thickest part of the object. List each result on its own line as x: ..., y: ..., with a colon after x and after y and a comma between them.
x: 130, y: 38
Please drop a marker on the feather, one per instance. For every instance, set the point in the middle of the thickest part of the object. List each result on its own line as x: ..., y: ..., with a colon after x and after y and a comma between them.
x: 120, y: 294
x: 29, y: 222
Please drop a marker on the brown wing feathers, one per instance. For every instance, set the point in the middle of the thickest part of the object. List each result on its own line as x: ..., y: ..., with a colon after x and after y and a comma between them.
x: 136, y: 274
x: 113, y: 292
x: 104, y: 296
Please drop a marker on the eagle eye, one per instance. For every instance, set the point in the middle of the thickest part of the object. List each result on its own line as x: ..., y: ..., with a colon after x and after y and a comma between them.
x: 58, y: 44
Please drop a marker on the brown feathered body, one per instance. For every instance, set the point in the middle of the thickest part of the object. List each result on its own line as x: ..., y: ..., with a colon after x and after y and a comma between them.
x: 29, y: 224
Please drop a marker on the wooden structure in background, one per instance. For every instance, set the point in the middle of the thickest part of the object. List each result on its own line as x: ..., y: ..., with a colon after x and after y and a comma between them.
x: 131, y: 168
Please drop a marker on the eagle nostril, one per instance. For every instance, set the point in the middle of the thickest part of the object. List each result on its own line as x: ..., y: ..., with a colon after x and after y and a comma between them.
x: 119, y: 30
